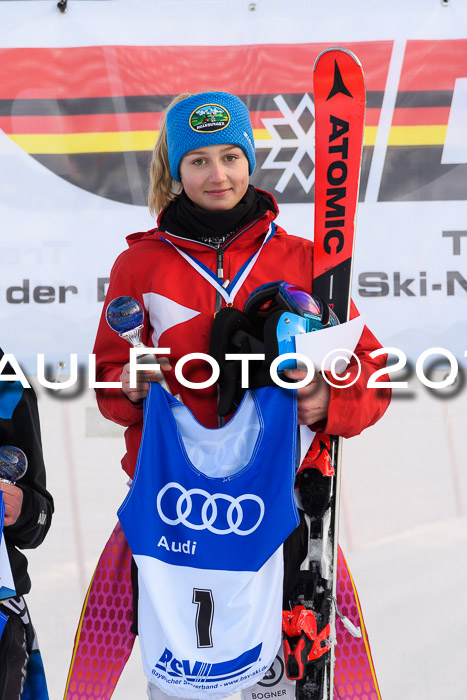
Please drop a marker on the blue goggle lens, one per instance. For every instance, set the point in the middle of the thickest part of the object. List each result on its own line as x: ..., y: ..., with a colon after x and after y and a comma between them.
x: 302, y: 302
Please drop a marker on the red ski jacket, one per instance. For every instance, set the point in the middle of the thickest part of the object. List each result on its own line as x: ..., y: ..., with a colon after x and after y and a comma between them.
x: 180, y: 304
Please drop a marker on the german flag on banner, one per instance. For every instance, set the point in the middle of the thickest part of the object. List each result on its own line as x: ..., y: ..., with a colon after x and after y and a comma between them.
x: 90, y: 114
x: 414, y: 169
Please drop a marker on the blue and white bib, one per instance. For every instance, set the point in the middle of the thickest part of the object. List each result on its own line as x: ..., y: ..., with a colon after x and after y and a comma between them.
x: 205, y: 519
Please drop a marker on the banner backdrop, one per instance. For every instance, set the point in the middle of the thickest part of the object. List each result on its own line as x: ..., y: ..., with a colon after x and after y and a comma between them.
x: 80, y: 100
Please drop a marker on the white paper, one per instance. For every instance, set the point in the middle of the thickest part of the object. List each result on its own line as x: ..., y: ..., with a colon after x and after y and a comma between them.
x: 324, y: 346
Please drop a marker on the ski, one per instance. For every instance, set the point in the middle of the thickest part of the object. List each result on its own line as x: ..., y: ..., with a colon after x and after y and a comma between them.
x: 309, y: 629
x: 340, y: 98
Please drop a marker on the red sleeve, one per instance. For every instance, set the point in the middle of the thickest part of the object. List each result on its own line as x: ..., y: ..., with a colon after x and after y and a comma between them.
x: 354, y: 408
x: 112, y: 352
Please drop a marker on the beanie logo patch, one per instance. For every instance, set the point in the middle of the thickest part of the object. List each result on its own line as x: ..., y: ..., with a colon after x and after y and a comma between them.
x: 209, y: 118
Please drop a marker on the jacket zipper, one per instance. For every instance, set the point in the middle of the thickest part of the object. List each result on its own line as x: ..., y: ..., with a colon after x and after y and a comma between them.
x: 220, y: 260
x: 220, y: 257
x: 220, y: 274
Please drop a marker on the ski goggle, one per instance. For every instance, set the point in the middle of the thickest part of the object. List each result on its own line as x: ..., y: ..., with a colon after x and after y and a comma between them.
x: 270, y: 297
x: 299, y: 301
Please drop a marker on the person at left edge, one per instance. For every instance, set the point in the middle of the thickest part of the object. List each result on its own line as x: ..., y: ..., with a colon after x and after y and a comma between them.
x: 28, y: 514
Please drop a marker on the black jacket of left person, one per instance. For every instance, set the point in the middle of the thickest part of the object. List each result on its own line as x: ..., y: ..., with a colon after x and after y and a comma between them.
x: 20, y: 427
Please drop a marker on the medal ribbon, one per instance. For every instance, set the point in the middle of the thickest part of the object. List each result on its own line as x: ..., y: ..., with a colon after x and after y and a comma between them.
x: 230, y: 292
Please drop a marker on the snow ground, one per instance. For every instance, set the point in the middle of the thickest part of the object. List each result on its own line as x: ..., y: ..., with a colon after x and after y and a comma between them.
x: 403, y: 529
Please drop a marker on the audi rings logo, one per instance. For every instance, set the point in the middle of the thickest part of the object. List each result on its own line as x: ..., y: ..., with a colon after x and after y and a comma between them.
x: 209, y: 514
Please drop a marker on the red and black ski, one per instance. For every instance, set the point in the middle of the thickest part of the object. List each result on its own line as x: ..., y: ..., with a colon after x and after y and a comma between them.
x: 309, y: 629
x: 339, y: 94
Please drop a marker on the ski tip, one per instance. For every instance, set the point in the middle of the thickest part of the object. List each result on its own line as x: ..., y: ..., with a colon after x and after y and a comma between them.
x: 341, y: 50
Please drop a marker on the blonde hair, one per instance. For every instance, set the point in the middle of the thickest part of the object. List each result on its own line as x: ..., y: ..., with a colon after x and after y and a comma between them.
x: 163, y: 189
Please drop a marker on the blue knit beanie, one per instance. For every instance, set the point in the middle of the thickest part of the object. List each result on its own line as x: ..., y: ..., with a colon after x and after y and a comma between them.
x: 208, y: 119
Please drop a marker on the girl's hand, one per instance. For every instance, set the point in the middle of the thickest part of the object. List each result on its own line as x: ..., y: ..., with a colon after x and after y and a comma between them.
x: 312, y: 399
x: 13, y: 497
x: 139, y: 392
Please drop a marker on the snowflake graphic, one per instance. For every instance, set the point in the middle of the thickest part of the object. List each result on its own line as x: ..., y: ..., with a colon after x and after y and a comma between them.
x: 302, y: 141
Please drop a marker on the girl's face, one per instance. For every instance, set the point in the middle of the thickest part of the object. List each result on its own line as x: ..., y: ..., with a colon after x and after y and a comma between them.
x: 215, y: 178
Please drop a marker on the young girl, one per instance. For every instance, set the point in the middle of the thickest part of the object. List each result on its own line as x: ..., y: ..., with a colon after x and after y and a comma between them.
x: 216, y: 241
